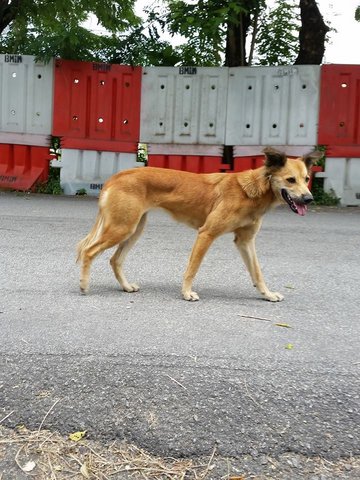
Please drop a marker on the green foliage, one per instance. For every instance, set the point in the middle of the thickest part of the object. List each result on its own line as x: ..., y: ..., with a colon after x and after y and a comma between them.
x: 81, y: 191
x: 357, y: 13
x: 72, y: 45
x: 320, y: 196
x: 52, y: 186
x: 142, y: 153
x: 136, y: 48
x: 321, y: 161
x: 48, y: 28
x: 277, y: 40
x: 204, y: 24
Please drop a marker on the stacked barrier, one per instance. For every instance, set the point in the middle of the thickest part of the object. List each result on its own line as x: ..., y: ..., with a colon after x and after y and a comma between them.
x: 275, y: 106
x: 26, y: 105
x: 339, y: 130
x: 98, y: 121
x: 183, y: 115
x: 187, y: 116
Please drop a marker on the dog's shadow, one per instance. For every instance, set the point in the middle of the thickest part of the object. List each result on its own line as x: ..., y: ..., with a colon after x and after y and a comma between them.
x: 170, y: 293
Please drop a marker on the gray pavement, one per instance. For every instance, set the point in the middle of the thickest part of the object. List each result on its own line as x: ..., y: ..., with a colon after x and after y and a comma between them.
x: 173, y: 377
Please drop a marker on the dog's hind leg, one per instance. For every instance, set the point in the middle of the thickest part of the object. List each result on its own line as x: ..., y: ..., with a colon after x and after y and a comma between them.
x: 119, y: 256
x: 110, y: 237
x: 245, y: 242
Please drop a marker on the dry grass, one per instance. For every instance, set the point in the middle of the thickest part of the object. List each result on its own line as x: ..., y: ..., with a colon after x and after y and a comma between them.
x: 49, y: 456
x: 45, y: 455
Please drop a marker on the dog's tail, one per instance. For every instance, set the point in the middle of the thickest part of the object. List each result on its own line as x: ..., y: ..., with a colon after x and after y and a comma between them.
x: 92, y: 237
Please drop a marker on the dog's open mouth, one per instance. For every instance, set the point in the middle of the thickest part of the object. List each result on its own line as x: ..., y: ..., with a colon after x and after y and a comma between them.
x: 299, y: 208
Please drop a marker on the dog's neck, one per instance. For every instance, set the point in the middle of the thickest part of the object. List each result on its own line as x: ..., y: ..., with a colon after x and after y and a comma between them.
x: 256, y: 183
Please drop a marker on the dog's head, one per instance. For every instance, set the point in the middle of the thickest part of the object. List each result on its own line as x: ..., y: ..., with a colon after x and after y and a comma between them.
x: 289, y: 178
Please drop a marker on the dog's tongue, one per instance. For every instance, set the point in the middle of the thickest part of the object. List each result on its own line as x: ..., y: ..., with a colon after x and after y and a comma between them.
x: 301, y: 209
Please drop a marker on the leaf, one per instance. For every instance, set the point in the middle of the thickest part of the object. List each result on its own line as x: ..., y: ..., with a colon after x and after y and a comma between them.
x: 285, y: 325
x: 29, y: 466
x: 76, y: 436
x: 289, y: 346
x: 290, y: 287
x: 21, y: 427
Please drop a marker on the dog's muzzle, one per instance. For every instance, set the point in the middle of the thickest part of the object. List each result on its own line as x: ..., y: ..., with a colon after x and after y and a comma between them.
x: 297, y: 205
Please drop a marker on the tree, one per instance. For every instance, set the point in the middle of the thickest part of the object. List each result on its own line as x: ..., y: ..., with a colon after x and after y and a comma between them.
x: 202, y: 24
x: 8, y: 12
x: 209, y: 25
x: 48, y: 28
x: 312, y: 34
x: 357, y: 13
x: 217, y: 32
x: 277, y: 40
x: 238, y: 24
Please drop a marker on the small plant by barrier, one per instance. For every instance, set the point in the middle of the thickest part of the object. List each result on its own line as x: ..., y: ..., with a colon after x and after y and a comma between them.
x: 52, y: 185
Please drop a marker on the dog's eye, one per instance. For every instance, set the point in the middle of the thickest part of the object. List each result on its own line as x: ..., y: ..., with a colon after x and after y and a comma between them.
x: 307, y: 179
x: 291, y: 180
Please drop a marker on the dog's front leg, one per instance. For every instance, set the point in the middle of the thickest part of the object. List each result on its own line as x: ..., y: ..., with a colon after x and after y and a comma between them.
x: 201, y: 245
x: 246, y: 247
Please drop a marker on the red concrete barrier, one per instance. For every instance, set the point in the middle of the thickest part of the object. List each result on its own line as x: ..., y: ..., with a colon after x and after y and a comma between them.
x: 97, y: 105
x: 339, y: 117
x: 189, y: 163
x: 22, y: 166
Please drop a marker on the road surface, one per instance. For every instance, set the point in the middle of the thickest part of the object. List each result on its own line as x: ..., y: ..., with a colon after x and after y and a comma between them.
x: 179, y: 378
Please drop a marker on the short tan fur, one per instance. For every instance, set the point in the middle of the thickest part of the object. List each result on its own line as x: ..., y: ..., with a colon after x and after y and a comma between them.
x: 213, y: 204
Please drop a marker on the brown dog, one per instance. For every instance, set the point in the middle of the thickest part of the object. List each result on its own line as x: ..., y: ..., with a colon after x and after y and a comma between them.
x: 214, y: 204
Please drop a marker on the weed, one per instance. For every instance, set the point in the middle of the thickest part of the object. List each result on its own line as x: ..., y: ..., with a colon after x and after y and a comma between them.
x: 52, y: 185
x: 320, y: 196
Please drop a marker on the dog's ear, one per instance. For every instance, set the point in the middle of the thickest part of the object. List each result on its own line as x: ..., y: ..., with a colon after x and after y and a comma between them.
x: 310, y: 158
x: 274, y: 158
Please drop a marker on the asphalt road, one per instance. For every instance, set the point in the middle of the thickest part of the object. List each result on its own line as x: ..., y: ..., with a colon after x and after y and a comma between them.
x: 175, y: 377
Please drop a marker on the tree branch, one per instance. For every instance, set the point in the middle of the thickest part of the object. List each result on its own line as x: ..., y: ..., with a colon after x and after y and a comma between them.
x: 8, y: 11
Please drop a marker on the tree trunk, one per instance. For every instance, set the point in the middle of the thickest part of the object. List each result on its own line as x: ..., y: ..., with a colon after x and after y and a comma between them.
x: 312, y: 34
x: 8, y: 11
x: 235, y: 53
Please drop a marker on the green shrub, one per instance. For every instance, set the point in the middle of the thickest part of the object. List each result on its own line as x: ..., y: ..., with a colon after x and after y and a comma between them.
x: 52, y: 185
x: 320, y: 196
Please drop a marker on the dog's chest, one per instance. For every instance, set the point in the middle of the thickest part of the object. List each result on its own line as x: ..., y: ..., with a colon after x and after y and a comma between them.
x: 247, y: 220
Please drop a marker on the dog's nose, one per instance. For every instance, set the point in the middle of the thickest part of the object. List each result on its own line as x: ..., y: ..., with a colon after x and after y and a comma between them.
x: 307, y: 199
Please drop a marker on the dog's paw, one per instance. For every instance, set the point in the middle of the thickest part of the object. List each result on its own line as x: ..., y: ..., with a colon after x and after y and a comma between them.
x: 84, y: 287
x: 131, y: 287
x: 274, y: 297
x: 191, y: 296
